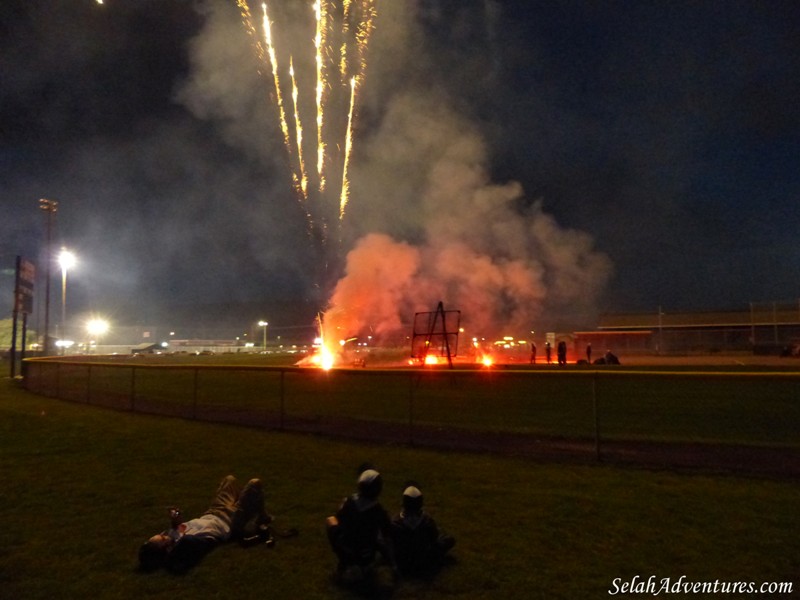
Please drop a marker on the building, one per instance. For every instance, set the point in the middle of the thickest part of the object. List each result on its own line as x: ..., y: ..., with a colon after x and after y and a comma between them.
x: 764, y: 328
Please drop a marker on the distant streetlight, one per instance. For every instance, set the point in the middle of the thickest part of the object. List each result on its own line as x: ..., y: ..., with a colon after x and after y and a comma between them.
x: 96, y: 327
x: 67, y: 260
x: 264, y: 324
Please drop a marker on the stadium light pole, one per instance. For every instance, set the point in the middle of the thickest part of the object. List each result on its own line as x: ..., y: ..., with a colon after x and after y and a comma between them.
x: 67, y: 260
x: 50, y: 207
x: 264, y: 324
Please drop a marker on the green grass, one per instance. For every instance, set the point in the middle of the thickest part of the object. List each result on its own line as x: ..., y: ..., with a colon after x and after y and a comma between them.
x: 83, y: 487
x: 720, y: 406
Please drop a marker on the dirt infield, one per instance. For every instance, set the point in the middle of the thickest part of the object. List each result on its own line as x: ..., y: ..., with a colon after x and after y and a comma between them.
x: 744, y: 359
x: 750, y: 460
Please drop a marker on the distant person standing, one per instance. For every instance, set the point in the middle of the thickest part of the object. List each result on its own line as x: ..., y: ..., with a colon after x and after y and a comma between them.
x: 533, y: 353
x: 611, y: 359
x: 562, y: 353
x: 589, y: 352
x: 547, y: 352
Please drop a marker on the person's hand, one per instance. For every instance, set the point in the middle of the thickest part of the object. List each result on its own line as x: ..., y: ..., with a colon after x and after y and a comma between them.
x: 175, y: 516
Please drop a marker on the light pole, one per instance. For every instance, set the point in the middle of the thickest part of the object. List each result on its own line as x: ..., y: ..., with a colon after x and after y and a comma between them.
x: 264, y: 325
x: 50, y: 207
x: 67, y: 260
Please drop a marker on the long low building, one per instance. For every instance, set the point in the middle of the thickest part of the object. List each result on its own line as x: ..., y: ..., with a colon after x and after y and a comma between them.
x: 769, y: 328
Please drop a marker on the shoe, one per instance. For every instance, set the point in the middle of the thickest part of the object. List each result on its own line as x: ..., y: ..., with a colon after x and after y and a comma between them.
x: 349, y: 575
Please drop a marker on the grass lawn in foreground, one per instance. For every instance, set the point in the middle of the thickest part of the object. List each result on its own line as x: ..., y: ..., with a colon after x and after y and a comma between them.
x: 83, y: 487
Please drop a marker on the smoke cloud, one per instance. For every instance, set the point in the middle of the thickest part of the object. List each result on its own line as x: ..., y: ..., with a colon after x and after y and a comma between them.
x: 450, y: 234
x: 425, y: 222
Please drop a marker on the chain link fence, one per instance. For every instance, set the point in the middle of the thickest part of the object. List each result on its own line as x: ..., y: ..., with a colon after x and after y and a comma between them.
x: 737, y: 421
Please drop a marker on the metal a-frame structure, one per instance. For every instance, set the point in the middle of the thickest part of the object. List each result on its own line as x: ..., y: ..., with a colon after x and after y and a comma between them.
x: 436, y: 333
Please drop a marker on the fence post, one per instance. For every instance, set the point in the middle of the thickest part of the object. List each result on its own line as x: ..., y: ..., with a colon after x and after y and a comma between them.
x: 280, y: 416
x: 411, y: 408
x: 133, y: 389
x: 194, y: 394
x: 88, y: 383
x: 596, y: 417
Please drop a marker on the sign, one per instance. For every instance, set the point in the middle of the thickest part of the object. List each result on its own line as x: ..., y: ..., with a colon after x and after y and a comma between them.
x: 23, y: 288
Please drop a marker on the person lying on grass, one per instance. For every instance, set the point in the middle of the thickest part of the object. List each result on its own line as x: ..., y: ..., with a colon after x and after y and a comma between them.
x: 234, y: 514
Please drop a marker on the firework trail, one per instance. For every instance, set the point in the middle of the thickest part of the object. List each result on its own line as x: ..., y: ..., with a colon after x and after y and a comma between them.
x: 247, y: 21
x: 352, y: 28
x: 267, y: 55
x: 319, y: 41
x: 345, y: 29
x: 297, y: 178
x: 364, y: 30
x: 299, y: 132
x: 348, y: 144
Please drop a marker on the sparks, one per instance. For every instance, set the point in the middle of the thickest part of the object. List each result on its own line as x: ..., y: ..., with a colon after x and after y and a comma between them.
x: 345, y: 28
x: 298, y: 127
x: 273, y: 61
x: 325, y: 358
x: 247, y: 21
x: 338, y: 72
x: 322, y: 23
x: 364, y: 31
x: 348, y: 145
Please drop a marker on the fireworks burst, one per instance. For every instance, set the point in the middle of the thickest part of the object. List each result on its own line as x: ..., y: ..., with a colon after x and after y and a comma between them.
x: 338, y: 73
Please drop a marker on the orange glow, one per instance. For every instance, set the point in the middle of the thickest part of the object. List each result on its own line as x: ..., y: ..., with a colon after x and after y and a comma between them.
x: 487, y: 361
x: 326, y: 358
x: 430, y: 359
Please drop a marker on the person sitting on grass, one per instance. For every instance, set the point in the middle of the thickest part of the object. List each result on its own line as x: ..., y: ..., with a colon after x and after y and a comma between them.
x: 419, y: 547
x: 234, y: 513
x: 359, y: 532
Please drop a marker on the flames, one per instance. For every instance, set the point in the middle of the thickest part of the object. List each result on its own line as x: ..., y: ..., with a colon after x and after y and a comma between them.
x: 322, y: 358
x: 330, y: 352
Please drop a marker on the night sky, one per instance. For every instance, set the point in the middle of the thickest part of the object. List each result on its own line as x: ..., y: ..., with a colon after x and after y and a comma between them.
x: 586, y: 157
